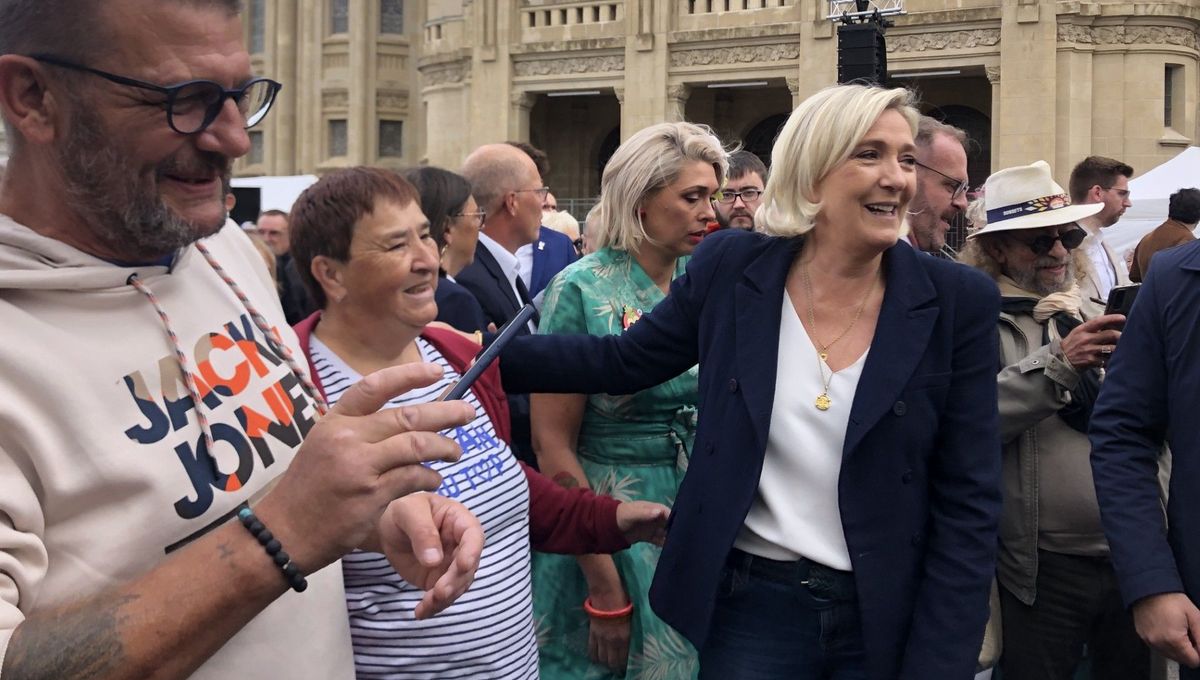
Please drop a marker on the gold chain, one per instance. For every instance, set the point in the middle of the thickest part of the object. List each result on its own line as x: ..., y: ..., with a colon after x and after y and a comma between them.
x: 823, y: 402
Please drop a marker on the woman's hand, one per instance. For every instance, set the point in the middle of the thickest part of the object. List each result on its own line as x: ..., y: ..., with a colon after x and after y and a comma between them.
x: 434, y: 543
x: 608, y: 639
x: 643, y: 521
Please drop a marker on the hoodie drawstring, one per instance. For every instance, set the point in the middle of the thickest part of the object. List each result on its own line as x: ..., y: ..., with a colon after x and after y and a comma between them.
x: 188, y: 380
x: 271, y: 335
x: 267, y: 330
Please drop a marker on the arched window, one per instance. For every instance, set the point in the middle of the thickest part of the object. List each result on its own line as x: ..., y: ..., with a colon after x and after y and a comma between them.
x: 391, y: 16
x: 339, y: 16
x: 258, y: 26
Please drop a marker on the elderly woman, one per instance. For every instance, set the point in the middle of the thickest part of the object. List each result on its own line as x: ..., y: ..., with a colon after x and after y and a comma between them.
x: 634, y: 446
x: 370, y: 259
x: 454, y: 222
x: 838, y: 518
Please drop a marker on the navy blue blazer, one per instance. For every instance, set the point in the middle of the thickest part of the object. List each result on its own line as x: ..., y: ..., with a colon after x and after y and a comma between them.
x: 920, y: 478
x: 458, y: 307
x: 551, y: 254
x: 486, y: 281
x: 1150, y: 392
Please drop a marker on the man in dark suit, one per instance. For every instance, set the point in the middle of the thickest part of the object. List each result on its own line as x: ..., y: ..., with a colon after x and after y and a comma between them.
x: 552, y: 251
x: 1149, y: 397
x: 1183, y: 212
x: 506, y: 184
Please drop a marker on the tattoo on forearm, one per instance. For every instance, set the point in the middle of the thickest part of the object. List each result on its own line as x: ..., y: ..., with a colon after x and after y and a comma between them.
x: 225, y: 550
x: 79, y: 643
x: 566, y: 480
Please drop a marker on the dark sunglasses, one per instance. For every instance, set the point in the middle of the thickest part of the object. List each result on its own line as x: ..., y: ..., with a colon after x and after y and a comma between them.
x: 1043, y: 244
x: 191, y: 106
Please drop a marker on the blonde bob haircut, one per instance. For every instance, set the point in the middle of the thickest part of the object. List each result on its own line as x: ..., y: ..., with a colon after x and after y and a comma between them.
x: 648, y: 161
x: 820, y: 134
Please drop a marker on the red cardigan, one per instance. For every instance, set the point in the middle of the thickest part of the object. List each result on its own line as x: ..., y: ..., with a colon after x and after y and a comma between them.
x: 567, y: 521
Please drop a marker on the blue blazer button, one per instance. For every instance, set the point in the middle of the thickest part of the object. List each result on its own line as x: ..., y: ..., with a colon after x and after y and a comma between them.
x: 900, y: 408
x: 733, y: 385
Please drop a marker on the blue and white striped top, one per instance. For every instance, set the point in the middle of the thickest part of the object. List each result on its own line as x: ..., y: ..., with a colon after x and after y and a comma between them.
x: 488, y: 632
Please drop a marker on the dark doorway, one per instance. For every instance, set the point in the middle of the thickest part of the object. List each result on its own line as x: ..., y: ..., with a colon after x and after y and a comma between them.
x: 761, y: 138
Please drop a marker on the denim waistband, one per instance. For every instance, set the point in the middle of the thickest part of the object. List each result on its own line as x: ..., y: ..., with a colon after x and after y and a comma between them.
x: 821, y: 580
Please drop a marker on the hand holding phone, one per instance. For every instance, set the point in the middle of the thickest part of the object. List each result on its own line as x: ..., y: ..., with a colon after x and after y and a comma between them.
x: 1120, y: 299
x: 510, y: 330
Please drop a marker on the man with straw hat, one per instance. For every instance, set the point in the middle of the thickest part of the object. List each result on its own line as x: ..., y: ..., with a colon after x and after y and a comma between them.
x: 1058, y: 591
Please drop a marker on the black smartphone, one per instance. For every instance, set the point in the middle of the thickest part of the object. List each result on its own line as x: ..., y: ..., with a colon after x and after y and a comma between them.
x: 1120, y: 299
x: 505, y: 335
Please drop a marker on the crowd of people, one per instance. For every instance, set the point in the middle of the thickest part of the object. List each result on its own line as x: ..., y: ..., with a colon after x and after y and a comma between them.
x: 764, y: 424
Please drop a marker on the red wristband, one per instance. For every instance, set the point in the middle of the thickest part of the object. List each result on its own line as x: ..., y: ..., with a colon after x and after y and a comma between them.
x: 621, y: 613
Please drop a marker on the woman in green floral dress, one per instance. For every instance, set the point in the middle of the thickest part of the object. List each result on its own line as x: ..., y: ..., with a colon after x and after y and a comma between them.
x: 655, y: 207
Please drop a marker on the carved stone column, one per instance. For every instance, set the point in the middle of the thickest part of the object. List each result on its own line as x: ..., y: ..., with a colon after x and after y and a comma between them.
x: 993, y: 76
x: 793, y: 86
x: 677, y: 96
x: 518, y: 118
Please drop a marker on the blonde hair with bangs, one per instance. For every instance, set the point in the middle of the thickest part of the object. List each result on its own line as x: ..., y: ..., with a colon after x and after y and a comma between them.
x: 646, y: 162
x: 819, y: 135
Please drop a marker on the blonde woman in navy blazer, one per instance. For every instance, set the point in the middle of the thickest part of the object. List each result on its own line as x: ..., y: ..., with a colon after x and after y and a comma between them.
x: 910, y: 468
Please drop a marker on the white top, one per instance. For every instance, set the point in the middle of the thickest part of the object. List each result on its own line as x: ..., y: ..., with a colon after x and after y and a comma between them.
x: 525, y: 262
x: 795, y: 512
x: 487, y: 634
x: 511, y: 266
x: 1106, y: 275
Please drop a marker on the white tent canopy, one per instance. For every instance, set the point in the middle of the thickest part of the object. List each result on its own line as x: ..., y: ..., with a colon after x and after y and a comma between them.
x: 1149, y: 193
x: 276, y: 193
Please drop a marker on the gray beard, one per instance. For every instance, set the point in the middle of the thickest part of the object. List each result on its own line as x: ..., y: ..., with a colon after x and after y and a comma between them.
x: 1027, y: 280
x: 106, y: 191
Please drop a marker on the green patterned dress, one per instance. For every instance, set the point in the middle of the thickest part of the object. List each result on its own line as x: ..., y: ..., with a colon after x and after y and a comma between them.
x: 632, y: 447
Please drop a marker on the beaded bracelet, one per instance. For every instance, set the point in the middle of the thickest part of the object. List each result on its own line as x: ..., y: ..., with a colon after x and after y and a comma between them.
x: 267, y: 540
x: 621, y: 613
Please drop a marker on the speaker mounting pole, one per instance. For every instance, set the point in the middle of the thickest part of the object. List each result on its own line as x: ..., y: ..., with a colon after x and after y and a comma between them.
x: 862, y: 52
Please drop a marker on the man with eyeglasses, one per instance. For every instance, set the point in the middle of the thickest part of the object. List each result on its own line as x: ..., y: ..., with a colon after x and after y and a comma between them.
x: 171, y: 503
x: 508, y: 187
x: 742, y: 193
x: 1097, y: 179
x: 941, y: 192
x: 1058, y: 590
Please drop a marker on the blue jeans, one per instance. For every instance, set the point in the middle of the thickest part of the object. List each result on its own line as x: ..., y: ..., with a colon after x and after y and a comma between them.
x: 783, y: 621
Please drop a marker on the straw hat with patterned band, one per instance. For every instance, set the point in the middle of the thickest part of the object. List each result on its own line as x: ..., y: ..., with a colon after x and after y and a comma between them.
x: 1027, y: 197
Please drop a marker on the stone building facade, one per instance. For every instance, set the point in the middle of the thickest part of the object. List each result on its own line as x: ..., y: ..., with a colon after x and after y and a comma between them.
x: 1029, y: 79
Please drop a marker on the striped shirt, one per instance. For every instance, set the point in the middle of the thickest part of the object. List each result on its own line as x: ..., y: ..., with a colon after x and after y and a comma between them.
x: 488, y: 632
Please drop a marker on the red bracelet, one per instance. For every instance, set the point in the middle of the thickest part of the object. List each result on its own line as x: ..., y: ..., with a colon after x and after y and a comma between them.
x: 621, y: 613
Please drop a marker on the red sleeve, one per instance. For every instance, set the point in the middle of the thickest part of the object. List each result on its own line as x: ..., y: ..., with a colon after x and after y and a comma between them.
x: 571, y: 521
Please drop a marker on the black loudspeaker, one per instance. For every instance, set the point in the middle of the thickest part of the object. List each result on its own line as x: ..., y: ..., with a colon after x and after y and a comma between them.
x: 249, y: 200
x: 862, y: 53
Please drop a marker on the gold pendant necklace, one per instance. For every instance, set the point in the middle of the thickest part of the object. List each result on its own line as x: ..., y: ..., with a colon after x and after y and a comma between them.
x: 823, y: 402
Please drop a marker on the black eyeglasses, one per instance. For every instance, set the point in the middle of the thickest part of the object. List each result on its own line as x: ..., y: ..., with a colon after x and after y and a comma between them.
x: 1043, y: 244
x: 193, y: 105
x: 960, y: 185
x: 730, y: 197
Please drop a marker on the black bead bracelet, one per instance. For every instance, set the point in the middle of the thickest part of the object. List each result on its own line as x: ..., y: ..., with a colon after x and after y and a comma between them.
x: 267, y: 540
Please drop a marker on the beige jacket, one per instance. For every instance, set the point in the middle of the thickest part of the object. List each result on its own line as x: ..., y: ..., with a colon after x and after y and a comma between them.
x: 1089, y: 286
x: 1034, y: 383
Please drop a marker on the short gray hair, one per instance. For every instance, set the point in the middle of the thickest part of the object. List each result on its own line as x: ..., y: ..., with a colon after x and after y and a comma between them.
x: 819, y: 135
x: 66, y: 28
x: 495, y: 170
x: 929, y: 127
x: 646, y: 162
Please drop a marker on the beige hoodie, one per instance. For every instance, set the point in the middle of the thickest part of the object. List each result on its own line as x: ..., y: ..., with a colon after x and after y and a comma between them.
x: 102, y: 463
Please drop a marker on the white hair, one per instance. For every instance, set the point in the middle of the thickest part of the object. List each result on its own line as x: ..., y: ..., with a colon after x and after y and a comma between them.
x: 648, y: 161
x: 562, y: 222
x: 819, y: 135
